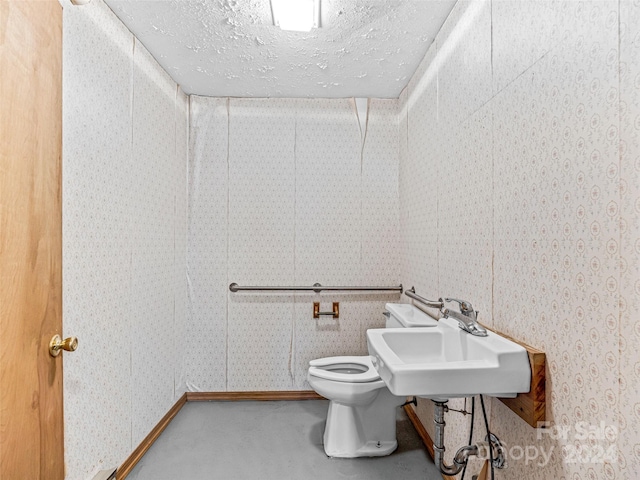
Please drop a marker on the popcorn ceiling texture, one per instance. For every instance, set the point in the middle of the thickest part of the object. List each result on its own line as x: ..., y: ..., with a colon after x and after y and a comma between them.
x: 520, y: 150
x: 230, y: 48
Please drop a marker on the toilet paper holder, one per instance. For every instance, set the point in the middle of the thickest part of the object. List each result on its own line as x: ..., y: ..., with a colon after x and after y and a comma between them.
x: 317, y: 313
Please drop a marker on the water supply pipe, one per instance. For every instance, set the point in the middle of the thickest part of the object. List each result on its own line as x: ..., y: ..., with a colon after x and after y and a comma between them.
x: 462, y: 455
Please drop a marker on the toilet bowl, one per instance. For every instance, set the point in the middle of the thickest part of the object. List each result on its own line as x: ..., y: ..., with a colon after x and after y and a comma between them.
x: 361, y: 420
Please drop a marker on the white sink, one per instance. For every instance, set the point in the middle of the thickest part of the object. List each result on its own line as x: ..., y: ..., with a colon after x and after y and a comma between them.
x: 445, y: 362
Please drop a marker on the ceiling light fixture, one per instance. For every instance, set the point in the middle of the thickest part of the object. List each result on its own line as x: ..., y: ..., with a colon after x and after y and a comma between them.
x: 296, y: 15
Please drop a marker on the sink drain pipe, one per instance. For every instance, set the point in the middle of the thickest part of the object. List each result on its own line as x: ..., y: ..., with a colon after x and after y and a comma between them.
x: 462, y: 455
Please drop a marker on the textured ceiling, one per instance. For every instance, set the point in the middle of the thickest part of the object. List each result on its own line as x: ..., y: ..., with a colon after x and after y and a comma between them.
x: 220, y: 48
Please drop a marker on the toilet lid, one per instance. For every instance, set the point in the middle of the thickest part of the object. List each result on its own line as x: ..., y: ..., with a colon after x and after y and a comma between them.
x: 344, y: 369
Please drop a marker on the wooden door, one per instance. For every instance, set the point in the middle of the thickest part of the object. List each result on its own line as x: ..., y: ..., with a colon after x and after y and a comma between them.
x: 31, y: 422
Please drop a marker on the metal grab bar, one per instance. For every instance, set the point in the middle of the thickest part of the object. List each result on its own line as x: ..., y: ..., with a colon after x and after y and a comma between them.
x: 234, y: 287
x: 411, y: 293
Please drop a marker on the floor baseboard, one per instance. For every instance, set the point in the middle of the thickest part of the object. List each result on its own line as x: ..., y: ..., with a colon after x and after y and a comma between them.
x: 260, y: 396
x: 141, y: 449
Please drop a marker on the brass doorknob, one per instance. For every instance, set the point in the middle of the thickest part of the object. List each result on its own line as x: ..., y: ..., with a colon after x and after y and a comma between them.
x: 56, y: 345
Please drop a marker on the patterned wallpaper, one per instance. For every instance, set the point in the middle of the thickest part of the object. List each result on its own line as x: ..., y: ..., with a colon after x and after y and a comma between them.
x: 285, y: 192
x: 124, y: 239
x: 520, y: 141
x: 511, y: 177
x: 629, y: 245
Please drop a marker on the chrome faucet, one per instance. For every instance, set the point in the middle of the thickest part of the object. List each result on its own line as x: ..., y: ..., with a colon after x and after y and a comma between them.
x: 467, y: 318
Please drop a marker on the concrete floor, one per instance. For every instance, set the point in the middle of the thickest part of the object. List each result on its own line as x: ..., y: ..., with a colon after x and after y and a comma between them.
x: 278, y: 440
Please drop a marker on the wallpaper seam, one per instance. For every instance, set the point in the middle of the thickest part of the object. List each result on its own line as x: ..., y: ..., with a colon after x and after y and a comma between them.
x: 437, y: 183
x: 363, y: 141
x: 131, y: 241
x: 295, y: 195
x: 363, y: 135
x: 620, y: 235
x: 491, y: 43
x: 175, y: 223
x: 492, y: 402
x: 226, y: 364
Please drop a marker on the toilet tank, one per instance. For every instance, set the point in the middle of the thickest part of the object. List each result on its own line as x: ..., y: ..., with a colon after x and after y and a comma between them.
x: 405, y: 315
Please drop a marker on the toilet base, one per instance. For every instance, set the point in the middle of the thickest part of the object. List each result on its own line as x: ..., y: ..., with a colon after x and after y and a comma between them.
x: 362, y: 430
x: 370, y: 449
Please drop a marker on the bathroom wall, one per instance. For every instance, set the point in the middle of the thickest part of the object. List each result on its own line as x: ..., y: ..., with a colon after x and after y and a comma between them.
x: 520, y: 192
x: 517, y: 150
x: 124, y: 239
x: 286, y: 192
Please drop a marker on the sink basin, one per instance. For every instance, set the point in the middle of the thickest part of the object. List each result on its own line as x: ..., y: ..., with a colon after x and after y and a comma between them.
x: 445, y: 362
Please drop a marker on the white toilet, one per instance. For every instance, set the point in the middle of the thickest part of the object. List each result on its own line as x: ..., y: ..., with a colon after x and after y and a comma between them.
x: 361, y: 421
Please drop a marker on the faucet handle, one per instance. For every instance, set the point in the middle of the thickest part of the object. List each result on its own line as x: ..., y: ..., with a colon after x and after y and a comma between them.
x: 465, y: 307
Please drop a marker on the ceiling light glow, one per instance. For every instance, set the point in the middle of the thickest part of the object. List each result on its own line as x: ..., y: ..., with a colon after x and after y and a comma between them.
x: 296, y: 15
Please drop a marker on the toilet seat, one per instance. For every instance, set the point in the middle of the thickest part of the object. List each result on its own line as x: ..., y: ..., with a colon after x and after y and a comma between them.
x: 326, y: 368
